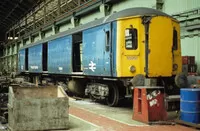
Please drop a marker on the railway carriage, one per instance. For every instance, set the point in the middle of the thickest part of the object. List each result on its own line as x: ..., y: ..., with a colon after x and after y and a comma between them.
x: 106, y: 58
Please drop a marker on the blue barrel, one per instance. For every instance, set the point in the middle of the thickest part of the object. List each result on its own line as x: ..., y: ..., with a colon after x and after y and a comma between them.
x: 190, y: 105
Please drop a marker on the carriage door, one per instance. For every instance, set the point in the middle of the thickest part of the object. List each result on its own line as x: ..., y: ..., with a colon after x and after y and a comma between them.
x: 107, y: 51
x: 160, y: 47
x: 96, y: 51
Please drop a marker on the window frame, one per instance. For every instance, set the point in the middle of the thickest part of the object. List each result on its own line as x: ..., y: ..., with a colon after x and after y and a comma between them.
x: 175, y: 40
x: 133, y: 33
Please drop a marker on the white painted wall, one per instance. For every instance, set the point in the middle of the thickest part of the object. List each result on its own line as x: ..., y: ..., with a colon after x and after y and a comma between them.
x: 134, y: 3
x: 48, y: 33
x: 190, y: 46
x: 177, y: 6
x: 36, y: 38
x: 91, y: 17
x: 65, y: 27
x: 27, y: 42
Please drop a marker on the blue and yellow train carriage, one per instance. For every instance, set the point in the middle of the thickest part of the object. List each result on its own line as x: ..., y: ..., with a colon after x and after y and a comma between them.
x: 101, y: 57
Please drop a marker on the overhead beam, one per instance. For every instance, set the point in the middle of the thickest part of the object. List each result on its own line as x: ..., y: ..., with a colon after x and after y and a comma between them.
x: 3, y: 9
x: 23, y: 9
x: 44, y: 11
x: 73, y: 7
x: 12, y: 2
x: 59, y: 8
x: 5, y: 25
x: 14, y: 17
x: 10, y: 21
x: 3, y: 3
x: 11, y: 11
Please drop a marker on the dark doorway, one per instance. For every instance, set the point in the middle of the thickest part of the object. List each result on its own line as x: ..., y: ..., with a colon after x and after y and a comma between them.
x: 77, y: 52
x: 26, y: 59
x: 45, y: 57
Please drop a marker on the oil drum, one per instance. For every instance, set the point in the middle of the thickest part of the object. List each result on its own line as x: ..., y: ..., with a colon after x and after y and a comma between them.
x: 190, y: 105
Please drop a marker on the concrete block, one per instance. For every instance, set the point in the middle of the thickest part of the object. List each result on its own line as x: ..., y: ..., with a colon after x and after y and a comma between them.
x: 36, y: 108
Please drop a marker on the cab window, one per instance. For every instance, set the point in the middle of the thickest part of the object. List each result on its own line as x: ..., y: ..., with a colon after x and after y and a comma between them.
x: 131, y: 40
x: 175, y: 39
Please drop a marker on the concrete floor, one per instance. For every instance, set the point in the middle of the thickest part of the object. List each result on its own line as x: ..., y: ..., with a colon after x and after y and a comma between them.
x: 86, y: 115
x: 99, y: 117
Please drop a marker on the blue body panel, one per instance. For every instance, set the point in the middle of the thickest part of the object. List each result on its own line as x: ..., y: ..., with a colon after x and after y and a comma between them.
x: 96, y: 60
x: 190, y: 105
x: 35, y: 59
x: 59, y: 55
x: 21, y: 60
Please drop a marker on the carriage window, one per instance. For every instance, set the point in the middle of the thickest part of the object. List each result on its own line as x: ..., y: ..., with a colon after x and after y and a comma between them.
x: 175, y: 39
x: 131, y: 40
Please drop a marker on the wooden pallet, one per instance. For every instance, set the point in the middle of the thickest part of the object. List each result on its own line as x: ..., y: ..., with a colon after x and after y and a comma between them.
x: 197, y: 126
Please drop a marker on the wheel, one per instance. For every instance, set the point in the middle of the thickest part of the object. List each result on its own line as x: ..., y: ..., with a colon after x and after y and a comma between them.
x: 113, y: 97
x: 181, y: 80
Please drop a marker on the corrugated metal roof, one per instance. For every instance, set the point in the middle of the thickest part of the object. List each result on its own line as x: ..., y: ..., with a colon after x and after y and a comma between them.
x: 12, y: 10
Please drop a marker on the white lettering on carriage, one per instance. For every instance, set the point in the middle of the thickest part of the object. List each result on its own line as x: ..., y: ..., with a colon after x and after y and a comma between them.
x: 60, y: 68
x: 34, y: 67
x: 92, y: 66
